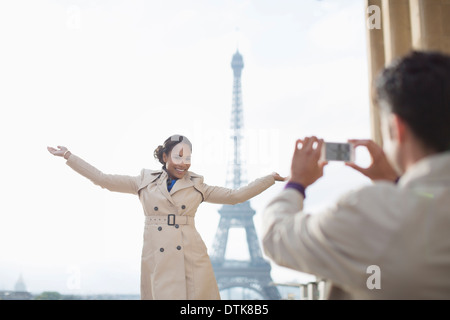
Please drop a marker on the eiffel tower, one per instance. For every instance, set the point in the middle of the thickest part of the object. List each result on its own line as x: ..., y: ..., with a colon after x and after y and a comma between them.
x: 255, y: 273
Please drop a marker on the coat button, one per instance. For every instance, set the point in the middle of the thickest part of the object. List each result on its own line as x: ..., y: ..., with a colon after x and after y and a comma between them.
x: 162, y: 249
x: 177, y: 226
x: 159, y: 228
x: 155, y: 208
x: 179, y: 248
x: 183, y: 207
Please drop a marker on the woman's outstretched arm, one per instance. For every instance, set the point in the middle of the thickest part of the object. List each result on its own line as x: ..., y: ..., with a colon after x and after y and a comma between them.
x: 112, y: 182
x: 223, y: 195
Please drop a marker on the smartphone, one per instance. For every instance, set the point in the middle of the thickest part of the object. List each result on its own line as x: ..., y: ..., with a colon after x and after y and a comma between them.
x: 335, y: 151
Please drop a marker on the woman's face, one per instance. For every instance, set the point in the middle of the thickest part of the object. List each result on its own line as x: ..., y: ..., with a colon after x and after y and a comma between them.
x: 178, y: 161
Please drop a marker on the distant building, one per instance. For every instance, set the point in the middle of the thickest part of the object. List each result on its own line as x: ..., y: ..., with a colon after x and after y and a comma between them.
x: 20, y: 285
x: 20, y: 292
x: 14, y: 295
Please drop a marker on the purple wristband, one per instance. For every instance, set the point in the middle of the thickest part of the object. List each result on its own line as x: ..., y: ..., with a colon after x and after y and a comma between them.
x: 297, y: 186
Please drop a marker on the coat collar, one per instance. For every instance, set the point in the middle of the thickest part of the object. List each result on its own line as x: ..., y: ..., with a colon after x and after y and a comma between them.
x: 432, y: 168
x: 149, y: 176
x: 160, y: 176
x: 183, y: 183
x: 162, y: 186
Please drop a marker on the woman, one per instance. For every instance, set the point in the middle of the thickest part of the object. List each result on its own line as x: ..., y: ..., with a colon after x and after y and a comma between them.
x: 175, y: 263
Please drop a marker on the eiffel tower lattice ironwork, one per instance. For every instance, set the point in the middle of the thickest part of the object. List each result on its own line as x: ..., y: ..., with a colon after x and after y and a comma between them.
x: 255, y: 273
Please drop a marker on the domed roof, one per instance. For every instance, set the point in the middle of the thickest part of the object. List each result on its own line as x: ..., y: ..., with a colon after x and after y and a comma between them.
x: 20, y: 285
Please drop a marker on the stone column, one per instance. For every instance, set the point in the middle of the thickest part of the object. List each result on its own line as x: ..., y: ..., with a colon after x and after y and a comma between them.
x: 396, y: 29
x: 430, y: 25
x: 376, y: 56
x: 404, y: 25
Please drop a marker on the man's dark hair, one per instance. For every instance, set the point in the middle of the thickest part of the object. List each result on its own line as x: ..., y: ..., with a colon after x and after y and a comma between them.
x: 417, y: 89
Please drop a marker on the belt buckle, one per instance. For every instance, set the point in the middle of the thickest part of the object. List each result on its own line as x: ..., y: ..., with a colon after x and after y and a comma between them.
x: 168, y: 219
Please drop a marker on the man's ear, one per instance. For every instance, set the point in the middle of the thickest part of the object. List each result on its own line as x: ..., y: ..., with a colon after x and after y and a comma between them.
x: 398, y: 128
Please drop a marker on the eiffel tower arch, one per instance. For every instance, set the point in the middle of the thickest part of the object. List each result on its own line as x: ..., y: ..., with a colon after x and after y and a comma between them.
x: 253, y: 274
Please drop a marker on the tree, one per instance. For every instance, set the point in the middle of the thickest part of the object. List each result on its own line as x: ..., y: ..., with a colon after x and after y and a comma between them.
x: 49, y: 295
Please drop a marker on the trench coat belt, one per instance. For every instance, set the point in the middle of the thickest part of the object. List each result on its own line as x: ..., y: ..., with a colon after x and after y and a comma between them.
x: 169, y: 219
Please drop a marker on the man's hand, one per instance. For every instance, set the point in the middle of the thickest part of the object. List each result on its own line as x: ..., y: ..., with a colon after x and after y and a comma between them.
x: 380, y: 168
x: 306, y: 168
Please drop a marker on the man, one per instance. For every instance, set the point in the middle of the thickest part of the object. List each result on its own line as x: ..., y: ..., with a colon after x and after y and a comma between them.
x: 389, y: 240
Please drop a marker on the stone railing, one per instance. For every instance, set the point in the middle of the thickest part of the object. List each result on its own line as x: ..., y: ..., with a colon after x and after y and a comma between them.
x: 314, y: 290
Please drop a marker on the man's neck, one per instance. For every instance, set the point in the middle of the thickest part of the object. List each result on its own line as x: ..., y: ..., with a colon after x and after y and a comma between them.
x: 415, y: 152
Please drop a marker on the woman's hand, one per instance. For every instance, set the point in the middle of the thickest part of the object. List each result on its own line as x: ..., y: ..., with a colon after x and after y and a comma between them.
x: 277, y: 177
x: 380, y: 168
x: 60, y: 152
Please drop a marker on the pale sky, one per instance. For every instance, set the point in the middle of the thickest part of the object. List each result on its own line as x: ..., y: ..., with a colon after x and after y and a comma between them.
x: 112, y: 79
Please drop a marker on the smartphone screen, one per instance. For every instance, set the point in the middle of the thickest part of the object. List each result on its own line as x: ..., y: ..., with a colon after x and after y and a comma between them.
x: 338, y: 151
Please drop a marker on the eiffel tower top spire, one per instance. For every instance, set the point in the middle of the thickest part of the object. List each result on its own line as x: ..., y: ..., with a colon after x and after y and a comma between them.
x: 237, y: 121
x: 237, y: 63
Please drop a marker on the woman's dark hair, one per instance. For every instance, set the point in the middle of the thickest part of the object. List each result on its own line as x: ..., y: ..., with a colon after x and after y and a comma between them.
x: 168, y: 145
x: 417, y: 89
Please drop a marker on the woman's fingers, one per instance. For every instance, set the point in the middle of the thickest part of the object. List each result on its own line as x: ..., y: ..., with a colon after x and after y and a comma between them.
x: 52, y: 150
x: 57, y: 152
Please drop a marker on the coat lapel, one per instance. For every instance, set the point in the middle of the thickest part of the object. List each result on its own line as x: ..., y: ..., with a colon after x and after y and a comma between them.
x: 161, y: 177
x: 149, y: 177
x: 183, y: 183
x: 162, y: 186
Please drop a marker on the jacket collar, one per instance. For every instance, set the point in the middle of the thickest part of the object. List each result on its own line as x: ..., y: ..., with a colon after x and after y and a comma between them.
x: 161, y: 176
x: 434, y: 168
x: 182, y: 183
x: 162, y: 185
x: 152, y: 176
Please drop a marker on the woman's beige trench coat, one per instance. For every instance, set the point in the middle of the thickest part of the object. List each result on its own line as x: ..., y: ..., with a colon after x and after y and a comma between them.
x: 175, y: 263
